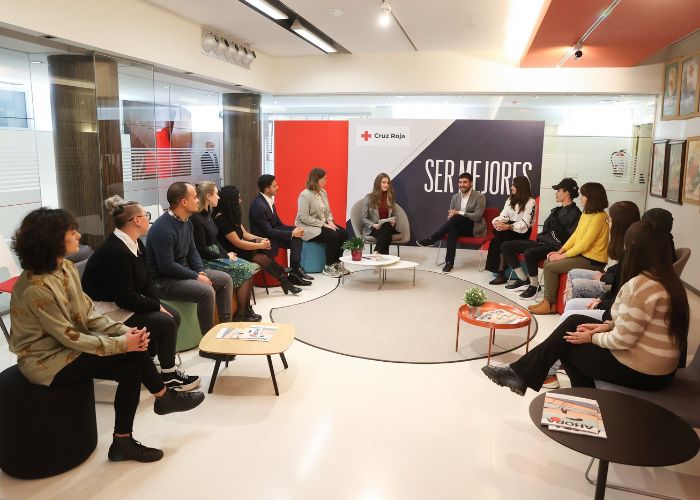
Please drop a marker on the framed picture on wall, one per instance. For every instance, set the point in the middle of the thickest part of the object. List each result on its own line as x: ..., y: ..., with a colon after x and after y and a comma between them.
x: 659, y: 169
x: 691, y: 177
x: 688, y: 105
x: 676, y: 161
x: 669, y: 107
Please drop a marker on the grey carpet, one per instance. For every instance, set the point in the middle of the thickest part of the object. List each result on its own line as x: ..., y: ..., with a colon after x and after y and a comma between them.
x: 399, y: 323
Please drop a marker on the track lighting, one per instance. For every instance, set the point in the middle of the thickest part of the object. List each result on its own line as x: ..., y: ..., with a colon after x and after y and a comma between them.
x: 385, y: 16
x: 222, y: 47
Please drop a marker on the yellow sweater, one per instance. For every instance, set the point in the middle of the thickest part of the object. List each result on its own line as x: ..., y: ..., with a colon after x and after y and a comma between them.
x: 590, y: 238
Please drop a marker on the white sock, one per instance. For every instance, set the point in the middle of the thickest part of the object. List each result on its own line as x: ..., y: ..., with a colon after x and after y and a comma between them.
x: 534, y: 281
x: 167, y: 370
x: 520, y: 274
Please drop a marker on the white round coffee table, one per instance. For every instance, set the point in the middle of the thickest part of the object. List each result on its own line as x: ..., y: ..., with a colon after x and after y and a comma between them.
x: 382, y: 263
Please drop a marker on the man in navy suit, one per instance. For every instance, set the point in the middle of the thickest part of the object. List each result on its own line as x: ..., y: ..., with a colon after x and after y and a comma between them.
x: 264, y: 221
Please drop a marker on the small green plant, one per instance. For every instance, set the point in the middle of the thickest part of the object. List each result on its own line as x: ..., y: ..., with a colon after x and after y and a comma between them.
x: 474, y: 296
x: 356, y: 243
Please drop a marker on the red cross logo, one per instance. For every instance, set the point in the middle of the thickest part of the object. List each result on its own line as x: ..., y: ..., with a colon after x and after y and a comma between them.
x: 366, y: 136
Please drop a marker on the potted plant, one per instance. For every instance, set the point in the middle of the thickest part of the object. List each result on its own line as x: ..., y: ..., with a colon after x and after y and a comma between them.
x: 474, y: 297
x: 355, y: 245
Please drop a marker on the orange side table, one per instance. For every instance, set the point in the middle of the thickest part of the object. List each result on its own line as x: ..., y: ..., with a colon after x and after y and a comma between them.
x: 463, y: 314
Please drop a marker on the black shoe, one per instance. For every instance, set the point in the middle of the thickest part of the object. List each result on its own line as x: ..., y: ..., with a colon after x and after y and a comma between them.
x: 518, y: 284
x: 127, y: 448
x: 506, y: 377
x: 287, y: 286
x: 499, y: 279
x: 299, y: 271
x: 174, y: 401
x: 179, y: 381
x: 425, y: 242
x: 296, y: 279
x: 448, y: 267
x: 529, y: 293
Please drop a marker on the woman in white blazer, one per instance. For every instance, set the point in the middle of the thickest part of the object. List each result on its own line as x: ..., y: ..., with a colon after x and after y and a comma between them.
x: 314, y: 215
x: 378, y: 218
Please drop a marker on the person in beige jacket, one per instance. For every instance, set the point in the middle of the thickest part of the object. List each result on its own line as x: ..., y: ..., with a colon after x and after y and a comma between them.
x: 315, y: 217
x: 60, y: 339
x: 640, y: 347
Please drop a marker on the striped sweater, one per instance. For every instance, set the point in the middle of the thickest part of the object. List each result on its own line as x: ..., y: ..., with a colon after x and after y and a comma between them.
x: 639, y: 333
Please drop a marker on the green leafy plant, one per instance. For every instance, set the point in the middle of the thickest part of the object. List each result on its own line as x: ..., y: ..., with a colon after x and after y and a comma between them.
x: 474, y: 296
x: 356, y: 243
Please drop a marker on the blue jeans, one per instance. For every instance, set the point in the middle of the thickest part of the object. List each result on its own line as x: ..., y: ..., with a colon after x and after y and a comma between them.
x: 581, y: 285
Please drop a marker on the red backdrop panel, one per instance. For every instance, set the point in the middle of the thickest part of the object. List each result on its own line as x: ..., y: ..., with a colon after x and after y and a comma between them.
x: 301, y: 146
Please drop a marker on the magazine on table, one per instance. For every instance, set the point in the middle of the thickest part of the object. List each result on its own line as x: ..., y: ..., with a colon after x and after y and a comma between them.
x: 384, y: 221
x: 260, y: 333
x: 566, y: 413
x: 376, y: 258
x: 500, y: 317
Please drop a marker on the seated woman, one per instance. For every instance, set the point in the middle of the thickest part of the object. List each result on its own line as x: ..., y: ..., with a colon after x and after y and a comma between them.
x: 663, y: 220
x: 640, y: 347
x: 233, y: 237
x: 586, y: 249
x: 378, y: 206
x: 60, y: 339
x: 514, y: 223
x: 215, y: 257
x: 585, y: 283
x: 116, y: 278
x: 314, y: 215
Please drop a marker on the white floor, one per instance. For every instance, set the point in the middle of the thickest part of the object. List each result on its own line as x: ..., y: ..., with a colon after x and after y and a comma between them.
x: 346, y: 428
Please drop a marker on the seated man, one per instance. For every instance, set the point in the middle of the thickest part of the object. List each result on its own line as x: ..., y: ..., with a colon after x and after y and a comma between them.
x: 175, y: 266
x: 556, y: 230
x: 264, y: 221
x: 464, y: 218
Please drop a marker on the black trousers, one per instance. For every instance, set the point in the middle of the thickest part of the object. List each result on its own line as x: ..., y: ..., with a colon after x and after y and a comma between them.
x: 294, y: 247
x: 163, y: 330
x: 533, y: 251
x: 583, y: 363
x: 456, y: 226
x: 129, y: 370
x: 334, y: 243
x: 493, y: 258
x: 383, y: 235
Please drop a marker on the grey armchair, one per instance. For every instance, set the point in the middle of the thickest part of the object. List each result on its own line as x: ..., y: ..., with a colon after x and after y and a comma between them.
x: 402, y: 226
x: 682, y: 257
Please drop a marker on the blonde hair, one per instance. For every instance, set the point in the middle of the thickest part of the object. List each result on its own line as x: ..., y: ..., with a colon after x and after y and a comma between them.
x: 205, y: 188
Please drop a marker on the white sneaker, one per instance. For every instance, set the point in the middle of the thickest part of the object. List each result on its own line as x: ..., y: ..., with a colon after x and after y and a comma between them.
x: 331, y: 272
x: 339, y: 267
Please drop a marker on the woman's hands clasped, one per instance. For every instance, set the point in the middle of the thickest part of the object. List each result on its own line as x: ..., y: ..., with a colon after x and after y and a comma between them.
x: 137, y: 339
x: 584, y: 332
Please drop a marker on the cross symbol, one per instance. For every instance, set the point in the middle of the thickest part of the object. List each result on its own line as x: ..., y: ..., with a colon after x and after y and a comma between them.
x: 366, y: 136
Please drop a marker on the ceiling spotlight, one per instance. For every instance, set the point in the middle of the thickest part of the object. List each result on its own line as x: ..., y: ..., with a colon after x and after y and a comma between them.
x: 208, y: 42
x: 578, y: 53
x: 385, y: 16
x: 232, y: 52
x: 221, y: 47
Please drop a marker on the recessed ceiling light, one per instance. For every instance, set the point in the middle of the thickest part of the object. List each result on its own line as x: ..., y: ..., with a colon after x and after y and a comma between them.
x: 311, y: 37
x: 267, y: 9
x: 336, y: 11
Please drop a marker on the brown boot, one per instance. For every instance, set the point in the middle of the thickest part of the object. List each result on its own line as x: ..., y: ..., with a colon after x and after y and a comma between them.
x: 543, y: 307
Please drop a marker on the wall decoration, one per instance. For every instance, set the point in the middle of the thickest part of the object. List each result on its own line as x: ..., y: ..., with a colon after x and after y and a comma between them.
x: 618, y: 160
x: 688, y: 105
x: 676, y: 160
x: 691, y: 178
x: 659, y: 169
x: 669, y: 108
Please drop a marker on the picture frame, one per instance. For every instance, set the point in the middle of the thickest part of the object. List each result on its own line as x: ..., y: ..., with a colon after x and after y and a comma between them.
x: 670, y: 100
x: 659, y: 169
x: 688, y: 93
x: 691, y: 174
x: 676, y: 162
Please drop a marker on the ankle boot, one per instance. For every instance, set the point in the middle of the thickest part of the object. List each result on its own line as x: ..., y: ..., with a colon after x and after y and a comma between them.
x: 287, y: 286
x: 543, y: 307
x: 251, y: 315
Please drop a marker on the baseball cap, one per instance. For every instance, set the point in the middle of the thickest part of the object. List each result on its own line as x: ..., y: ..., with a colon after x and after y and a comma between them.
x: 568, y: 184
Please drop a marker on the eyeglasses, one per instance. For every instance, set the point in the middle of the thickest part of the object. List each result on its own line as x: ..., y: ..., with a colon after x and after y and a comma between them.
x: 147, y: 215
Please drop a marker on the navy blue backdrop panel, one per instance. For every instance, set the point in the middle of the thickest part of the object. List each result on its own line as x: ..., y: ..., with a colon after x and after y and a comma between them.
x: 493, y: 151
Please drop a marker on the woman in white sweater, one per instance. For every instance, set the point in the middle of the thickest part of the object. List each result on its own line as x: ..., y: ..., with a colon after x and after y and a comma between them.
x: 514, y: 223
x: 643, y: 344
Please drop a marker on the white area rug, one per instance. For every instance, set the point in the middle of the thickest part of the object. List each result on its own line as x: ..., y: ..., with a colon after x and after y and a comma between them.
x: 399, y: 323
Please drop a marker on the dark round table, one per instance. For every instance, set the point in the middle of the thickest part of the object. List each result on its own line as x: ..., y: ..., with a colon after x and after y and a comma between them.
x: 639, y: 433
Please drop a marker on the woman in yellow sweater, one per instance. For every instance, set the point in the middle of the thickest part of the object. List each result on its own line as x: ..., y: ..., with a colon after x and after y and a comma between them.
x: 587, y: 248
x: 640, y: 347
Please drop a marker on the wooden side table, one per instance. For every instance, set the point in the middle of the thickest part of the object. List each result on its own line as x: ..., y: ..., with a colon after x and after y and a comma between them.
x: 226, y: 350
x: 463, y: 314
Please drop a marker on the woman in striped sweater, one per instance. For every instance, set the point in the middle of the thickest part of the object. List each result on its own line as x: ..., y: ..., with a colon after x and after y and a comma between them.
x: 641, y: 346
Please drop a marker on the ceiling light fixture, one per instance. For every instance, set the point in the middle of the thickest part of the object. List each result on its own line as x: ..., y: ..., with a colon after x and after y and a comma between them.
x: 311, y: 37
x: 385, y: 16
x: 223, y: 47
x: 267, y: 9
x: 576, y: 49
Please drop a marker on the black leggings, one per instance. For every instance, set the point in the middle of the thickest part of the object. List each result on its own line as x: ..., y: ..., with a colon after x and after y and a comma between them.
x: 383, y: 235
x: 584, y: 363
x: 494, y: 259
x: 334, y: 243
x: 533, y: 251
x: 163, y: 329
x: 129, y: 370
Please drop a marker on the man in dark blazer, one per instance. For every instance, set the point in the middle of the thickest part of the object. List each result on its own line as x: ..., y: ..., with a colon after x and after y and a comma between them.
x: 264, y: 221
x: 464, y: 218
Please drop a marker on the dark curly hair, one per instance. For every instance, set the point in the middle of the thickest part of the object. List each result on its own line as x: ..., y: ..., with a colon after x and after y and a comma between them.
x: 40, y: 239
x: 229, y: 206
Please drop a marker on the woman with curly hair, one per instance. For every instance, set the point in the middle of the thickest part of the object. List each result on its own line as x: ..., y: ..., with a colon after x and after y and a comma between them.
x: 59, y: 339
x: 214, y: 256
